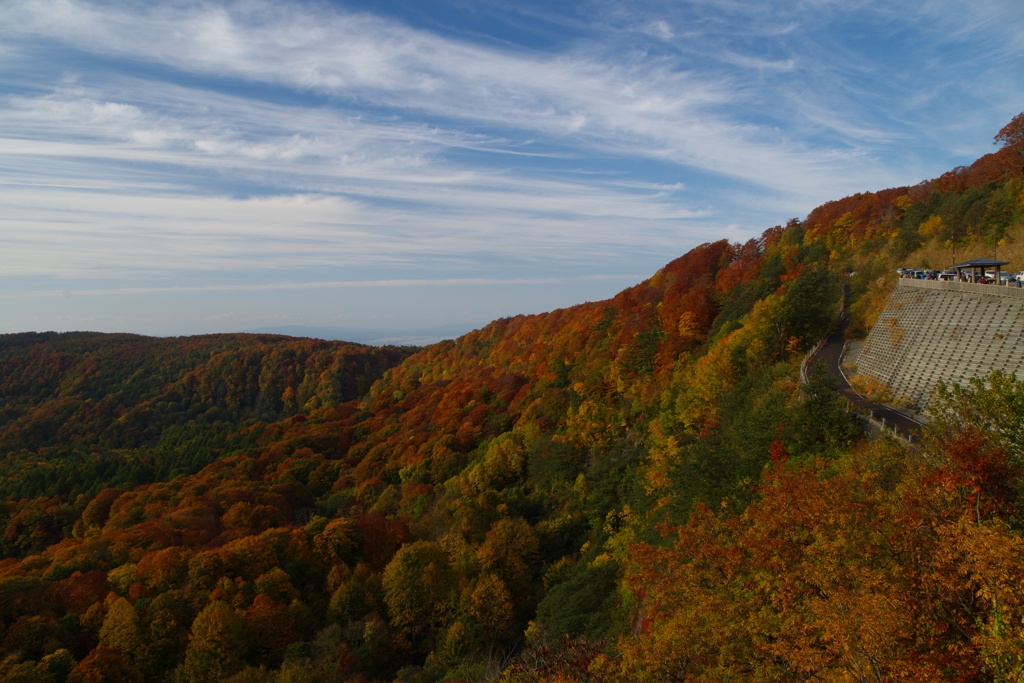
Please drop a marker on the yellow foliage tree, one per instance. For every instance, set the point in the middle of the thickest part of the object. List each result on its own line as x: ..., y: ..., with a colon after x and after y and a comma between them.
x: 418, y: 585
x: 930, y: 228
x: 121, y: 630
x: 491, y: 605
x: 216, y: 646
x: 512, y: 550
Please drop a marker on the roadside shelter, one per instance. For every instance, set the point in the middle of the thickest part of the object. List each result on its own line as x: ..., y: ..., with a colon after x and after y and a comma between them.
x: 979, y: 264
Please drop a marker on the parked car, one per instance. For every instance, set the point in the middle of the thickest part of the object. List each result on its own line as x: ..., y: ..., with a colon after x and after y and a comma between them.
x: 947, y: 275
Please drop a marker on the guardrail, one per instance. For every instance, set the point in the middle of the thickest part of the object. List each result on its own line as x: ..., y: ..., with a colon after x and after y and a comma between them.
x: 868, y: 416
x: 807, y: 357
x: 1009, y: 291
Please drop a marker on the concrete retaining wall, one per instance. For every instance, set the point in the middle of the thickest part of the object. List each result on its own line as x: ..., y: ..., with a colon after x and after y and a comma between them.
x: 950, y: 331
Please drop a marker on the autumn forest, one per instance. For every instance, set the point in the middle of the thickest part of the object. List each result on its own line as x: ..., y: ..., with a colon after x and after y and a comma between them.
x: 638, y: 489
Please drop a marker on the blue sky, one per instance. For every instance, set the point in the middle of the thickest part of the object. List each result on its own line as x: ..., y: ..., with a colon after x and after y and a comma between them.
x: 186, y: 167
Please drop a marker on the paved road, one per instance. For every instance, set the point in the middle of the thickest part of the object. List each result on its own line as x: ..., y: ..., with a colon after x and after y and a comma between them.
x: 831, y: 353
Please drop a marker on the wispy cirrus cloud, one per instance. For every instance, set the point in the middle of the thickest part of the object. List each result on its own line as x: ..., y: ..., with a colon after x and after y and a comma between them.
x: 143, y: 141
x: 117, y: 187
x: 72, y: 232
x: 623, y: 103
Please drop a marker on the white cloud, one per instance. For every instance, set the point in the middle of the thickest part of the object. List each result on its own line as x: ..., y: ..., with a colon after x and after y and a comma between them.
x: 661, y: 29
x: 636, y: 106
x: 68, y: 232
x: 394, y: 144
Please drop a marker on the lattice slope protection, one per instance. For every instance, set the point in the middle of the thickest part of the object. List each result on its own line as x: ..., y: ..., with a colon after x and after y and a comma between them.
x: 949, y: 331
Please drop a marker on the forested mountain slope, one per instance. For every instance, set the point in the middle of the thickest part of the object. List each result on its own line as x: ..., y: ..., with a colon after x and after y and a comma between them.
x: 639, y: 485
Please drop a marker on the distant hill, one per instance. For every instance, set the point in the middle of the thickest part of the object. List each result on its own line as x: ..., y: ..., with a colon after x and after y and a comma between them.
x: 76, y: 399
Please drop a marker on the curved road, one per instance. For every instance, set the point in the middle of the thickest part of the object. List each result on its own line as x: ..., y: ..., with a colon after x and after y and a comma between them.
x: 831, y: 353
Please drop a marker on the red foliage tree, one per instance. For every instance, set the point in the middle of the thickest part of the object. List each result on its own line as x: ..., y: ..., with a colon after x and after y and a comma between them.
x: 104, y: 665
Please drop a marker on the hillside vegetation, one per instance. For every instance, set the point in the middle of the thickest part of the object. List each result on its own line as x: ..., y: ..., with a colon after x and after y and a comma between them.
x: 630, y: 490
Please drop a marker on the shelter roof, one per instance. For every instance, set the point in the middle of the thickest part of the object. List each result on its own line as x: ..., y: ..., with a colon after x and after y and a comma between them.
x: 980, y: 263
